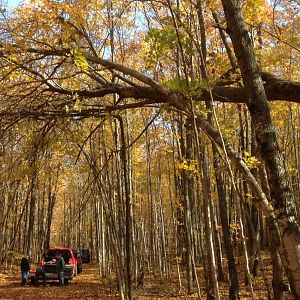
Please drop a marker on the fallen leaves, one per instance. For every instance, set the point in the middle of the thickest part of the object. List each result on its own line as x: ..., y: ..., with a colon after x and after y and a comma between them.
x: 90, y: 286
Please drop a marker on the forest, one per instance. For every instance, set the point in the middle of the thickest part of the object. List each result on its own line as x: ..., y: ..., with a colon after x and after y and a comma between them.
x: 163, y: 135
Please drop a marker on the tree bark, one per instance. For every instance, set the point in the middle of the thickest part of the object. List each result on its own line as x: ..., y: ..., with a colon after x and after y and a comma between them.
x: 127, y: 210
x: 227, y: 238
x: 213, y: 286
x: 281, y: 191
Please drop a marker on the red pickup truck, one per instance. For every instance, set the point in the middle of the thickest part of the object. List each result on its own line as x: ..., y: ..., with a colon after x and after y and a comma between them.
x: 71, y: 264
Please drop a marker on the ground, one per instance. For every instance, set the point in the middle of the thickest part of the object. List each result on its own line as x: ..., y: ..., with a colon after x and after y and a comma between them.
x: 89, y: 286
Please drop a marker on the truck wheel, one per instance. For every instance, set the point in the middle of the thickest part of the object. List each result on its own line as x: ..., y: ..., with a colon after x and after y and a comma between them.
x: 32, y: 280
x: 79, y: 269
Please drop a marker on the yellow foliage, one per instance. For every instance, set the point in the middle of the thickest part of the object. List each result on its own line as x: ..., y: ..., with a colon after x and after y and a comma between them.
x: 251, y: 161
x: 255, y: 11
x: 190, y: 166
x: 235, y: 226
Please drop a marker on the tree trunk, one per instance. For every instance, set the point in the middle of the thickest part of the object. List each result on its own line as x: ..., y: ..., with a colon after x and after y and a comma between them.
x: 234, y: 283
x: 186, y: 149
x: 281, y: 191
x: 127, y: 210
x: 213, y: 288
x: 217, y: 242
x: 32, y: 208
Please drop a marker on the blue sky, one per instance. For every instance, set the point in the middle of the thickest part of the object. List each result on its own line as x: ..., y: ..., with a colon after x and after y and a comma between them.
x: 13, y: 3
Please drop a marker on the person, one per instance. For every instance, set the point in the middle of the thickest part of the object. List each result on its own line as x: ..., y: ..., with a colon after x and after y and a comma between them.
x: 40, y: 272
x: 25, y: 266
x: 60, y: 267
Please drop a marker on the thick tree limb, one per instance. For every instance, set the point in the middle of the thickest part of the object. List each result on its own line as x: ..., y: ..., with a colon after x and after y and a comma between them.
x: 279, y: 90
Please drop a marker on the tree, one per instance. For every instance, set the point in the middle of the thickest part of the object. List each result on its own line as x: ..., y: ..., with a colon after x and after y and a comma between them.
x: 281, y: 191
x: 62, y: 68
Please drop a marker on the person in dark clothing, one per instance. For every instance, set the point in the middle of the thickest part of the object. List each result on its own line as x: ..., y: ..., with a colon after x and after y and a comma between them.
x: 60, y: 267
x: 25, y: 266
x: 40, y: 272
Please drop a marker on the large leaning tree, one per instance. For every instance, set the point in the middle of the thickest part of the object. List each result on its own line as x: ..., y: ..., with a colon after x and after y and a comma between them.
x: 281, y: 191
x: 61, y: 59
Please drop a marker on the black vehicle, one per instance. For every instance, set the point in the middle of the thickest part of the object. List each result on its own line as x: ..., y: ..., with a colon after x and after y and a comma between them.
x: 85, y: 256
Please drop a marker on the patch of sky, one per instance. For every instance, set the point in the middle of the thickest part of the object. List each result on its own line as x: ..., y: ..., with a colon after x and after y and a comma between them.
x: 7, y: 6
x: 11, y: 4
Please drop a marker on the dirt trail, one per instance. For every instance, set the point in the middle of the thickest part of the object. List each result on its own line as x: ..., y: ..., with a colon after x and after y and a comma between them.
x: 90, y: 286
x: 87, y: 285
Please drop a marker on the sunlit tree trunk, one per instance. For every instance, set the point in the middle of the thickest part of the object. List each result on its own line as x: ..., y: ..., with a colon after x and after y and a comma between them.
x: 219, y: 181
x: 213, y: 288
x: 128, y: 221
x: 32, y: 209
